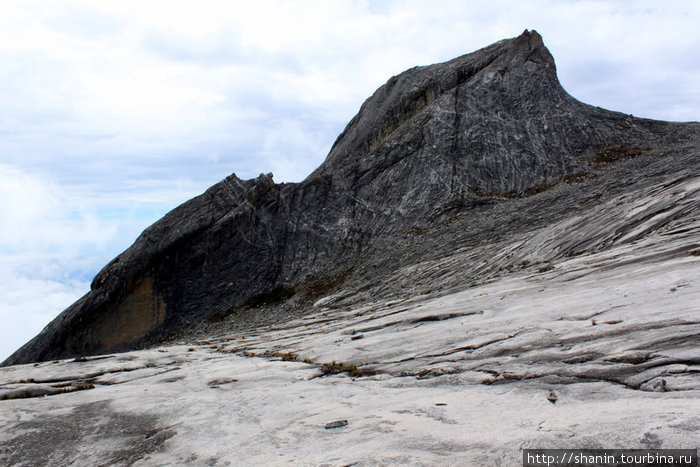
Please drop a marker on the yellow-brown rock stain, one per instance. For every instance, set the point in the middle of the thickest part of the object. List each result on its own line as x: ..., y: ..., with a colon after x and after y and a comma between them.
x: 140, y: 312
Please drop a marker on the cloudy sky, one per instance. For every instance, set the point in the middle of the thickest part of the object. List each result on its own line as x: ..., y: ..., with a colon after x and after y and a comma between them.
x: 115, y: 112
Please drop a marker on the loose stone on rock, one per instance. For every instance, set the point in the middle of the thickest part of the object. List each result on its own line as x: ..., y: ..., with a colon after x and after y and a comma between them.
x: 335, y: 424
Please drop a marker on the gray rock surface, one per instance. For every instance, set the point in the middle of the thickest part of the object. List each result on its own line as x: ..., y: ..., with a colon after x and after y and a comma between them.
x: 433, y: 144
x: 578, y: 330
x: 441, y: 291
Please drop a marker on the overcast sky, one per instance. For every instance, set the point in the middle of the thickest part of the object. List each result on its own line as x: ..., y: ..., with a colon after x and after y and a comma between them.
x: 115, y: 112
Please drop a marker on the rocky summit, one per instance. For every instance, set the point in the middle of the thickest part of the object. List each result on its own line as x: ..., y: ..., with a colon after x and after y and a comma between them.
x: 482, y: 264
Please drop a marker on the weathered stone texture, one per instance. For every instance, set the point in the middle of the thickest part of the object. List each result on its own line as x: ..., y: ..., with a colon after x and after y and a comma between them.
x: 432, y: 143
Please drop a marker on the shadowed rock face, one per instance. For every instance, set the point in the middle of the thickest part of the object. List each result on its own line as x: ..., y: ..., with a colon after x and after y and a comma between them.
x: 432, y: 143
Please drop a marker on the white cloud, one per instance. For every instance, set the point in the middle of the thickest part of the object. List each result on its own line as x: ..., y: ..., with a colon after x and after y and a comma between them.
x: 35, y: 282
x: 33, y: 291
x: 51, y: 245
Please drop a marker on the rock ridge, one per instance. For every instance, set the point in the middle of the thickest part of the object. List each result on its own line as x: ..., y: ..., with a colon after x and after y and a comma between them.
x: 432, y: 143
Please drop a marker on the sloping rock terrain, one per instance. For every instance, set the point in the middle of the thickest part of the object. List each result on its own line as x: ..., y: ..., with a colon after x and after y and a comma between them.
x: 483, y: 264
x: 432, y: 143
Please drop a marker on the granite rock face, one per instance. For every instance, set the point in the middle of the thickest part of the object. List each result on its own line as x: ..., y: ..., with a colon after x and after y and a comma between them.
x: 432, y: 144
x: 482, y: 265
x: 566, y: 319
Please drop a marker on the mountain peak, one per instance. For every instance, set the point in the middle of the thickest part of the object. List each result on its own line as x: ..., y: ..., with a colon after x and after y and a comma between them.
x: 532, y: 36
x: 532, y: 42
x: 433, y: 143
x: 482, y: 263
x: 511, y: 66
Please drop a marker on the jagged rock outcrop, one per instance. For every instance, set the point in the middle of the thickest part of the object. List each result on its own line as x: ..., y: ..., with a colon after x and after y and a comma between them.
x: 567, y: 319
x: 432, y: 143
x: 440, y: 291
